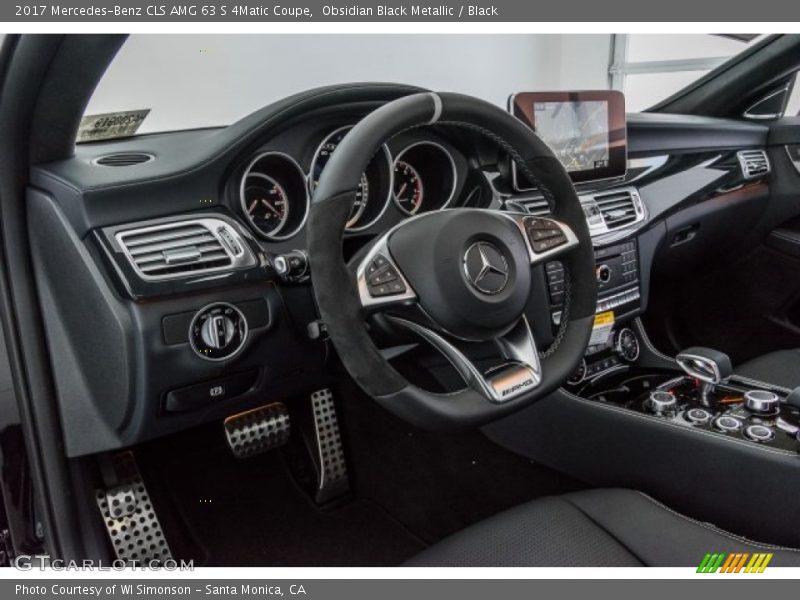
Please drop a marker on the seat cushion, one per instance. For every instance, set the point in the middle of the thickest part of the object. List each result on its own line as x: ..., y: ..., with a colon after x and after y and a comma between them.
x: 593, y: 528
x: 779, y: 368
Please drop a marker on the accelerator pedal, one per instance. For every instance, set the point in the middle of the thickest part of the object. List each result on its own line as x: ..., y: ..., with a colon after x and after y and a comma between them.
x: 330, y: 465
x: 259, y: 430
x: 128, y: 513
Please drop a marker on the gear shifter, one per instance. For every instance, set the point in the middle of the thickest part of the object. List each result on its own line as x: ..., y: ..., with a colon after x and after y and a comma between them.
x: 709, y: 366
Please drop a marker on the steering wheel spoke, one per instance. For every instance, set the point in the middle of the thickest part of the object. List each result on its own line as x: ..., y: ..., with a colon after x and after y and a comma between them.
x: 545, y: 238
x: 519, y: 374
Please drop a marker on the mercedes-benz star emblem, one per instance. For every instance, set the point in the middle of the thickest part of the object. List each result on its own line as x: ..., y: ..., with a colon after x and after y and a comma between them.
x: 486, y: 268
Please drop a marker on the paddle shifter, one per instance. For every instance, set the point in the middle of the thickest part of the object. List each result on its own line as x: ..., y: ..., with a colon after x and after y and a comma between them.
x: 711, y: 367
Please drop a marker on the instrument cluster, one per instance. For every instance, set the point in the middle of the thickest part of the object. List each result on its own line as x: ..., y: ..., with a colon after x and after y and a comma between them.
x: 413, y: 177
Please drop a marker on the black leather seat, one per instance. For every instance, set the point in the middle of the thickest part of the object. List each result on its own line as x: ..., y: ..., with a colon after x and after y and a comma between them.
x: 779, y: 368
x: 604, y: 527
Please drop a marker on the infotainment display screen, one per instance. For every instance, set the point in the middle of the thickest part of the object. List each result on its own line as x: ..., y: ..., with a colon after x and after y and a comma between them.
x: 585, y: 130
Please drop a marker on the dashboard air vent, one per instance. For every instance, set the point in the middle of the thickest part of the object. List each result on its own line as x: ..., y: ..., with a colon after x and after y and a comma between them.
x: 537, y: 207
x: 754, y: 163
x: 184, y: 248
x: 124, y: 159
x: 618, y: 208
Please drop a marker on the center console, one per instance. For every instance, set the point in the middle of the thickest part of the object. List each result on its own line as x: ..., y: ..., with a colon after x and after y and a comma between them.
x: 732, y: 409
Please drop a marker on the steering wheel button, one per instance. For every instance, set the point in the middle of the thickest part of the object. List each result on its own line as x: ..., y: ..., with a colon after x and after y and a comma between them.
x: 384, y: 276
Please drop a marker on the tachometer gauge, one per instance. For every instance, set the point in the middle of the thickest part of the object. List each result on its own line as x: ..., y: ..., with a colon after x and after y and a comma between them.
x: 266, y: 203
x: 408, y: 189
x: 321, y: 158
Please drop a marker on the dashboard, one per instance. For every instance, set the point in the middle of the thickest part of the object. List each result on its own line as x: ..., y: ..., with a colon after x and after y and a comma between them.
x: 168, y: 243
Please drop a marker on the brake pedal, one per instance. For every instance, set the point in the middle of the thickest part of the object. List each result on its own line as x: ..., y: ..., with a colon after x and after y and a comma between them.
x: 331, y: 467
x: 128, y: 513
x: 258, y: 430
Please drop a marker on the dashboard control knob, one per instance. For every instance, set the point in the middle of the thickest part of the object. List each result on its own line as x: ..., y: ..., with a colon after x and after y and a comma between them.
x: 292, y: 266
x: 728, y: 423
x: 698, y: 415
x: 603, y: 273
x: 627, y: 344
x: 762, y: 402
x: 660, y: 401
x: 759, y: 433
x: 218, y: 331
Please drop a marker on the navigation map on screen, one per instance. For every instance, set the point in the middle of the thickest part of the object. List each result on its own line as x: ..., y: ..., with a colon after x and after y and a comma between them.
x: 576, y: 131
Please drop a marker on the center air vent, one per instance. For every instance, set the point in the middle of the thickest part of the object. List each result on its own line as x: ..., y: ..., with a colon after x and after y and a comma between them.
x: 618, y: 208
x: 124, y: 159
x: 754, y: 163
x: 185, y: 248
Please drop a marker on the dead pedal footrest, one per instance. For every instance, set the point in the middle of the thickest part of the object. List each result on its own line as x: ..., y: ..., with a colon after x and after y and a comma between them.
x: 255, y: 431
x: 332, y: 468
x: 129, y: 515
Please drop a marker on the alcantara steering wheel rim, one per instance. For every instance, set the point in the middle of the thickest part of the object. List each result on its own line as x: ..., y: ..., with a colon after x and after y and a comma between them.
x: 462, y: 244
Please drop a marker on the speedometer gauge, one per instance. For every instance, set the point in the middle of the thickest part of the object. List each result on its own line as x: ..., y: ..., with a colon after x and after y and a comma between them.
x: 273, y: 195
x: 408, y: 189
x: 374, y: 182
x: 266, y: 203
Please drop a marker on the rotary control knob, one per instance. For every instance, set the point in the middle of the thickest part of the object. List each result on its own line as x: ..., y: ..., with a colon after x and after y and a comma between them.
x: 728, y: 423
x: 759, y: 433
x: 661, y: 402
x: 762, y: 402
x: 698, y: 415
x: 627, y: 345
x: 218, y: 331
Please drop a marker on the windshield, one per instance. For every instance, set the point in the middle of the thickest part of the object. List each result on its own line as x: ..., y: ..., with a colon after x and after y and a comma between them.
x: 193, y: 81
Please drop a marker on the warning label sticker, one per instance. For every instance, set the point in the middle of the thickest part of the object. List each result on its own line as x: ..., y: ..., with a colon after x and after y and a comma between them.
x: 603, y: 324
x: 109, y: 126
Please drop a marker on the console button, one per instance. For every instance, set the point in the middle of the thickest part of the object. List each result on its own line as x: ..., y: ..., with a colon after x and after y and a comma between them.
x: 759, y: 433
x: 728, y: 423
x: 201, y: 394
x: 698, y: 415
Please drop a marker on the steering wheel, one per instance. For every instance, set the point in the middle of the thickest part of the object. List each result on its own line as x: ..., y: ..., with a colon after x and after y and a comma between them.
x: 453, y: 276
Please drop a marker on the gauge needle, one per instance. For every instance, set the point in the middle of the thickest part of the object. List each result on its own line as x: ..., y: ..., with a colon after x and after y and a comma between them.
x: 402, y: 189
x: 252, y: 207
x: 272, y: 208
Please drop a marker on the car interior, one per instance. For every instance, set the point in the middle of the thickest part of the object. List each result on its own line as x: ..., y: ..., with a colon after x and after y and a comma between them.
x: 375, y: 324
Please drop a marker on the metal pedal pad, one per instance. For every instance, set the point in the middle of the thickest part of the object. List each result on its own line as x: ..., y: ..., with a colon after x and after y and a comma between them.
x: 129, y: 515
x: 332, y: 468
x: 258, y: 430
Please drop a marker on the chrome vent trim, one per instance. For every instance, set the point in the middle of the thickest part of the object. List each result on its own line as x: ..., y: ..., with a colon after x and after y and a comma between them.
x: 185, y: 248
x: 613, y: 214
x: 754, y: 163
x: 124, y: 159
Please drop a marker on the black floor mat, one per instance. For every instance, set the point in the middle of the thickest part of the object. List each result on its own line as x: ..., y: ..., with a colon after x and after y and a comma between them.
x: 221, y: 511
x: 436, y: 483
